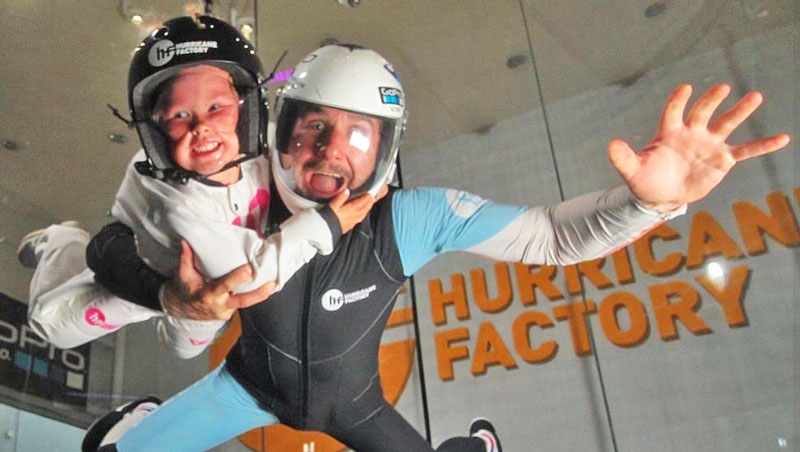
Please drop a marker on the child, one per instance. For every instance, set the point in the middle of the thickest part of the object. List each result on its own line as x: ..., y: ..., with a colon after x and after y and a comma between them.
x: 198, y: 101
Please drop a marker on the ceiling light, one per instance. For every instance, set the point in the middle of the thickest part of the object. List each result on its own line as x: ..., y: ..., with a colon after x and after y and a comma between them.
x: 12, y: 145
x: 655, y: 9
x: 117, y: 138
x: 516, y: 61
x: 247, y: 30
x: 137, y: 19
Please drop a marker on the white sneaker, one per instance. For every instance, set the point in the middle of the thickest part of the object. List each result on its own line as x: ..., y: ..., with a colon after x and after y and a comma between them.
x: 26, y: 251
x: 110, y: 428
x: 482, y: 428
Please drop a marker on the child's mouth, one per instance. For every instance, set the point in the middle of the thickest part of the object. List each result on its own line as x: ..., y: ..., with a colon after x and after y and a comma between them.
x: 207, y: 147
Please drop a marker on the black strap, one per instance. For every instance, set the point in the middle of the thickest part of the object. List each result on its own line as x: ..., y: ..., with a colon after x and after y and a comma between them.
x: 113, y: 257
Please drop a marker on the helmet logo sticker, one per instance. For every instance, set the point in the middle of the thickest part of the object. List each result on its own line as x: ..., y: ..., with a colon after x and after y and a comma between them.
x: 334, y: 299
x: 163, y: 51
x: 391, y: 96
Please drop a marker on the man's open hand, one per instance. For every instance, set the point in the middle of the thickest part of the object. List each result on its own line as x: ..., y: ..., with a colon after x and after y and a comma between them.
x: 190, y: 296
x: 688, y: 157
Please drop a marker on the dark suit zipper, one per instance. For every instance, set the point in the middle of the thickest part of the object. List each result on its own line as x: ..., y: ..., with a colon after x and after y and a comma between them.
x: 305, y: 368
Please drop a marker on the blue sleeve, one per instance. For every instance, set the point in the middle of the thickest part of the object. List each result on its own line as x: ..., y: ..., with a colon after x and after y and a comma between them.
x: 431, y: 221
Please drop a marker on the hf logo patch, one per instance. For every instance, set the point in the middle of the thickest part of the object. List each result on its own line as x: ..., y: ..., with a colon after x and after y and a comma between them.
x: 163, y: 51
x: 334, y: 299
x: 392, y: 96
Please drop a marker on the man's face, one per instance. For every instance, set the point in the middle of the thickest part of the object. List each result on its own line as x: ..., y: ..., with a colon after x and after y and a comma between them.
x: 199, y: 112
x: 332, y: 149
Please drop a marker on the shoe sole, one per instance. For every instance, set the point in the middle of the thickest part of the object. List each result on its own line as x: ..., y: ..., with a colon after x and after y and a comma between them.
x: 25, y: 251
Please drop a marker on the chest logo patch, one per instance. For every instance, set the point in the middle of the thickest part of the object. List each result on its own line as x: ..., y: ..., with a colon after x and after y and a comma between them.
x: 334, y: 299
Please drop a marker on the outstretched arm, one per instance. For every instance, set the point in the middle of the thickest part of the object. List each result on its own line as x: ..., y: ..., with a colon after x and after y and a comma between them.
x: 685, y: 160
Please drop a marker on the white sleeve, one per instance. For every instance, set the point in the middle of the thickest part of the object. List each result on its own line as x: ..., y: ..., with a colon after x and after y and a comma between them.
x: 187, y: 338
x: 431, y: 221
x: 160, y: 214
x: 219, y: 248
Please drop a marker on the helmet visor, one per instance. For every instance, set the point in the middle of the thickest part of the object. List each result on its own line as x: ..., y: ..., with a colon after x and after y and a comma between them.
x: 217, y: 102
x: 179, y: 107
x: 324, y: 150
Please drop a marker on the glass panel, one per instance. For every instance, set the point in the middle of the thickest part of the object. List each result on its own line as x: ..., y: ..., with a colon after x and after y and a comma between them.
x: 693, y: 324
x: 680, y: 341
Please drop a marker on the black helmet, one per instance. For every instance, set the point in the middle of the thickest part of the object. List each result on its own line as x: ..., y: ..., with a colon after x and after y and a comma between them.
x: 190, y: 41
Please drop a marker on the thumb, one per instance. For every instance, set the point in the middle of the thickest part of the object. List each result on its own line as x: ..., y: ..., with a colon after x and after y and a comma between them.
x: 384, y: 191
x: 187, y: 256
x: 623, y: 158
x: 186, y: 271
x: 338, y: 201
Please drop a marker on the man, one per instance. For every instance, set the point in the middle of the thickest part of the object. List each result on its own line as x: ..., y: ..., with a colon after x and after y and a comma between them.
x: 308, y: 356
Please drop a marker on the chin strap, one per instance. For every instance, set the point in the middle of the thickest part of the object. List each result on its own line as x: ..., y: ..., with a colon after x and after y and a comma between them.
x: 182, y: 176
x: 128, y: 122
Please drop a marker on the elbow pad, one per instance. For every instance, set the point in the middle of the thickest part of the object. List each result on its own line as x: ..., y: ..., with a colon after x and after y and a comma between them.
x: 113, y: 257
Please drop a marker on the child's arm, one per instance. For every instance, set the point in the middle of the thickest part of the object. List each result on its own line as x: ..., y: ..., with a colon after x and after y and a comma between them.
x: 220, y: 247
x: 161, y: 214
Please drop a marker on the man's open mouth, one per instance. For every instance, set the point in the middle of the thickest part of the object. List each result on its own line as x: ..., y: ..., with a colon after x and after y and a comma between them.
x: 326, y: 183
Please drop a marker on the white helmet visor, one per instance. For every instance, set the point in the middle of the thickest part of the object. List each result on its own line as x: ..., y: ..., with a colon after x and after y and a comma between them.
x: 324, y: 150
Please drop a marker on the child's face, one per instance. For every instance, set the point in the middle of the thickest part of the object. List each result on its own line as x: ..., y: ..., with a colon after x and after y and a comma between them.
x: 199, y: 112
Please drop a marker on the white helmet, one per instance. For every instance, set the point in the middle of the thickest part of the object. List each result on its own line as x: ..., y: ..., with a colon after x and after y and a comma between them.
x: 338, y: 77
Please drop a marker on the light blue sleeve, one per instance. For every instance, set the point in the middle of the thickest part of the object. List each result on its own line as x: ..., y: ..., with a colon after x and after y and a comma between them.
x: 430, y: 221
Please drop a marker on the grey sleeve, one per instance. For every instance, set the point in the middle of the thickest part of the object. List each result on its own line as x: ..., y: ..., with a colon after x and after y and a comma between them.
x: 583, y: 228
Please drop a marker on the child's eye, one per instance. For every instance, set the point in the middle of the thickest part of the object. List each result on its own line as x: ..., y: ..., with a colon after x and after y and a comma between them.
x: 317, y: 125
x: 215, y: 107
x: 180, y: 115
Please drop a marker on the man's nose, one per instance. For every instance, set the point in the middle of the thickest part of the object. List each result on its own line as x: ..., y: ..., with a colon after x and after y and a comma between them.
x: 333, y: 143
